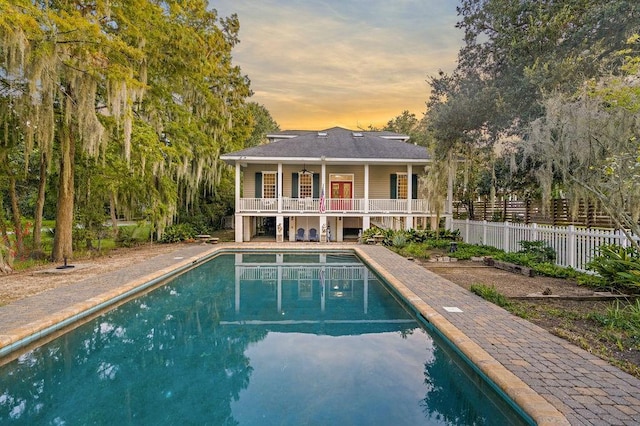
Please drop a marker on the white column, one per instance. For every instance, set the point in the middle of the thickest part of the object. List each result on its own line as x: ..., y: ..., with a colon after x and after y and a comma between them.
x: 323, y: 228
x: 408, y: 223
x: 279, y: 228
x: 279, y: 194
x: 409, y: 187
x: 239, y: 232
x: 238, y: 218
x: 246, y: 232
x: 366, y: 188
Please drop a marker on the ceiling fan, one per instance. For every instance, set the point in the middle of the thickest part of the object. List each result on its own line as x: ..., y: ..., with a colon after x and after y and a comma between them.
x: 304, y: 170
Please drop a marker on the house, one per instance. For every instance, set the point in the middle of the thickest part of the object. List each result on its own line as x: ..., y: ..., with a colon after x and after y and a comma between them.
x: 330, y: 185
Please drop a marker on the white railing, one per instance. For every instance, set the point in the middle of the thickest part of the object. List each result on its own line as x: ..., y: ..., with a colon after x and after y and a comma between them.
x: 332, y: 205
x: 258, y: 205
x: 574, y: 246
x: 307, y: 272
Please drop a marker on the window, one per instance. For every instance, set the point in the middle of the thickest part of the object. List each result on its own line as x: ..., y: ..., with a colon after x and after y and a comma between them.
x: 402, y: 186
x: 305, y: 185
x: 269, y: 182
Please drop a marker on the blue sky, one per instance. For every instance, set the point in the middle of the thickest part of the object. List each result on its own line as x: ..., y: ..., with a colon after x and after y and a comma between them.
x: 350, y: 63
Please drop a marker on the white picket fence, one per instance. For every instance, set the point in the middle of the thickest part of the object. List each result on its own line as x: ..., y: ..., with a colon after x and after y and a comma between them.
x: 574, y: 246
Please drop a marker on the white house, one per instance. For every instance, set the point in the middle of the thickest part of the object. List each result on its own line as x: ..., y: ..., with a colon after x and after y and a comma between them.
x: 330, y: 184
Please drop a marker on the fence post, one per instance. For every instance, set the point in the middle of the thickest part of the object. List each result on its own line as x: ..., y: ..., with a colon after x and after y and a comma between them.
x: 505, y: 236
x: 572, y: 246
x: 466, y: 231
x: 484, y: 233
x: 534, y: 232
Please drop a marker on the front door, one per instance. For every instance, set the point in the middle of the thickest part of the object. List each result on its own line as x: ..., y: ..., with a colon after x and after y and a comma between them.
x: 341, y: 194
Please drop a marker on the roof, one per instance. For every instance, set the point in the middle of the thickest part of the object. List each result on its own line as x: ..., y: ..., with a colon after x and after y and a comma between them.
x: 333, y: 145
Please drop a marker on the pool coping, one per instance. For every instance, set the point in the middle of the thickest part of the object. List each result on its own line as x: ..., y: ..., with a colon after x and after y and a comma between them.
x: 539, y: 408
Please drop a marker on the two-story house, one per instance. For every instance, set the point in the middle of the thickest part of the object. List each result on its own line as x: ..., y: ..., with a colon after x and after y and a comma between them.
x: 330, y: 185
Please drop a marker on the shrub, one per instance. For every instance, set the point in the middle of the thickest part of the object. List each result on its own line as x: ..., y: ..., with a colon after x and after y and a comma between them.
x: 618, y: 266
x: 399, y: 241
x: 539, y: 251
x: 129, y: 236
x: 178, y: 232
x: 467, y: 251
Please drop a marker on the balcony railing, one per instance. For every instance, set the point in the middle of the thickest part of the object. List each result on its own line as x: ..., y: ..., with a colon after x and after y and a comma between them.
x: 332, y: 205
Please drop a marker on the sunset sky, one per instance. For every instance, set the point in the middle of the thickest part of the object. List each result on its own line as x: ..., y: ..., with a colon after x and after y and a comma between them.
x: 348, y: 63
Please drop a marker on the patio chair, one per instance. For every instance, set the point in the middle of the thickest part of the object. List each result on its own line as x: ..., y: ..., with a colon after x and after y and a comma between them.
x: 313, y: 235
x: 300, y: 234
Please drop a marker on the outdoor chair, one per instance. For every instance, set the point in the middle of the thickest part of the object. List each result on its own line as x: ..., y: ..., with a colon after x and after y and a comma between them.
x: 300, y: 234
x: 313, y: 235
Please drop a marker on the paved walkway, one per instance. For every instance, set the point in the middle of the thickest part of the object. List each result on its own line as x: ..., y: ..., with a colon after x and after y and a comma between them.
x: 551, y: 379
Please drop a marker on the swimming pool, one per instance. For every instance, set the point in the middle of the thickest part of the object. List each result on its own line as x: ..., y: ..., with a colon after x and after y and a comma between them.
x: 252, y: 338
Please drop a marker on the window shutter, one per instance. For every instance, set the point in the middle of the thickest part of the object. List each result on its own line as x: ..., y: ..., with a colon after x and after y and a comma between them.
x: 393, y: 190
x: 316, y: 185
x: 414, y: 187
x: 294, y: 185
x: 258, y: 193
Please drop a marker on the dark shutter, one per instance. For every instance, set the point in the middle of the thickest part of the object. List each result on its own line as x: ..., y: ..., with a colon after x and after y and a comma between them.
x: 393, y: 189
x: 294, y: 185
x: 258, y: 193
x: 414, y: 187
x: 316, y: 185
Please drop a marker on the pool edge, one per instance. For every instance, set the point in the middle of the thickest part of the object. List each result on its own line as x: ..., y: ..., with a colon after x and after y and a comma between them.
x: 532, y: 403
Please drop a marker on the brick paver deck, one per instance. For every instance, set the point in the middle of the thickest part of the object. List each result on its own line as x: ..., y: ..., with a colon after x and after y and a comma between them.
x: 551, y: 379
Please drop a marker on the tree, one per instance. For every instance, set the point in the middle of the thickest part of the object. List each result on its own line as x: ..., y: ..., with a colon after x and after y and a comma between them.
x: 146, y: 87
x: 593, y: 143
x: 408, y: 124
x: 263, y: 124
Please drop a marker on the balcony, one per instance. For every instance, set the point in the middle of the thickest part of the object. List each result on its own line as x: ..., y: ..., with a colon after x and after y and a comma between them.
x: 353, y: 206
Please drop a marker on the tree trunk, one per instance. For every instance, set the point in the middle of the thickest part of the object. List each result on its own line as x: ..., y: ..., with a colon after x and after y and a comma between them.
x: 113, y: 213
x: 17, y: 223
x: 5, y: 247
x: 37, y: 225
x: 62, y: 242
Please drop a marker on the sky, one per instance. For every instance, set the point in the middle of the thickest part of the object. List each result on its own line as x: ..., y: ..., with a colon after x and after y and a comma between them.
x: 316, y: 64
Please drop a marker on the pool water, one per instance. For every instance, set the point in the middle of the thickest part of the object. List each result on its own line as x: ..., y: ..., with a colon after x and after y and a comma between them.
x: 252, y: 339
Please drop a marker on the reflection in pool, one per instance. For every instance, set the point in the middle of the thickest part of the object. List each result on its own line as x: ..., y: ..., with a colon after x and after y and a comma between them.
x: 251, y: 339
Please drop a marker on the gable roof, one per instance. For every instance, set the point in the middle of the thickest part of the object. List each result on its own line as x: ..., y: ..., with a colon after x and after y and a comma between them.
x: 335, y: 145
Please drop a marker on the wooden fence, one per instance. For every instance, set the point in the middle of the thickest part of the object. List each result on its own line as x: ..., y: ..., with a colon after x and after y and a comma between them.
x: 575, y: 246
x: 559, y: 212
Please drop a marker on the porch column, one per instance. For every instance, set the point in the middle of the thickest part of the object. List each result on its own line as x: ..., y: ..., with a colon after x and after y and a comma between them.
x: 366, y: 188
x: 292, y: 228
x: 323, y: 228
x: 366, y: 222
x: 279, y: 228
x: 238, y: 218
x: 409, y: 187
x: 408, y: 223
x: 279, y: 194
x: 239, y: 232
x: 238, y: 171
x: 247, y: 228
